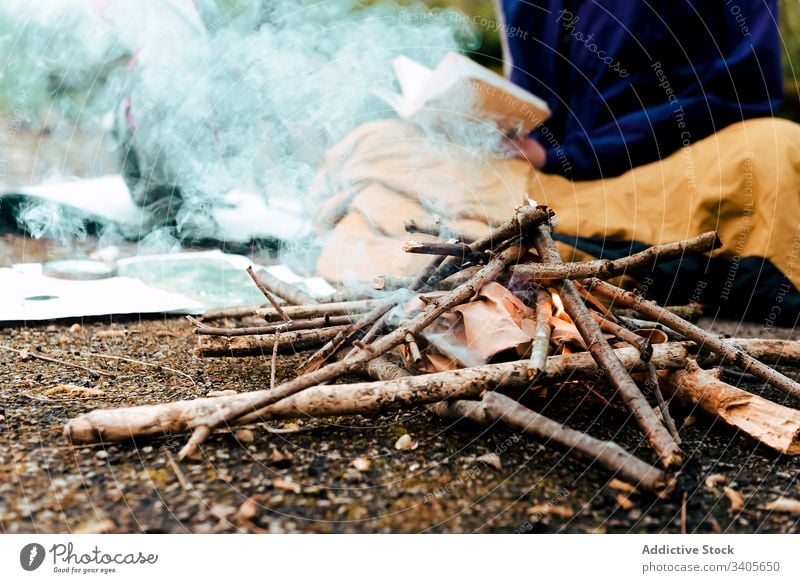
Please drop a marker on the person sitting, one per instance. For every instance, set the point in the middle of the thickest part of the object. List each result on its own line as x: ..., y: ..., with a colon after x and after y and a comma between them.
x: 662, y: 128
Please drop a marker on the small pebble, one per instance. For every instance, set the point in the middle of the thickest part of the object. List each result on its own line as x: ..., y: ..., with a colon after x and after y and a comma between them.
x: 245, y: 435
x: 101, y: 455
x: 76, y: 329
x: 405, y: 443
x: 362, y: 464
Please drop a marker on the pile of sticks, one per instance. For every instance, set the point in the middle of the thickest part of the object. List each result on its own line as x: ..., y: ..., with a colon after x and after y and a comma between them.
x: 647, y: 360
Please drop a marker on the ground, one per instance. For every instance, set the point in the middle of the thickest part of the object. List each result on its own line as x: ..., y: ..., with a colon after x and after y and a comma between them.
x: 304, y: 480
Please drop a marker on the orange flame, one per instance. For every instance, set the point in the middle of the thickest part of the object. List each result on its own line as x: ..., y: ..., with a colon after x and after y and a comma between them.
x: 560, y: 312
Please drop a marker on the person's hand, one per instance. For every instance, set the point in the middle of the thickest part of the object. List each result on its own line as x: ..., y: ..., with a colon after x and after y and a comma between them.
x: 527, y: 149
x: 533, y: 152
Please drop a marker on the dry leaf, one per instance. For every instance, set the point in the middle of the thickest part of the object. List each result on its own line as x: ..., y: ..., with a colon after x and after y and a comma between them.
x: 405, y: 443
x: 715, y: 480
x: 624, y: 502
x: 789, y: 505
x: 362, y: 464
x: 76, y: 328
x: 623, y: 486
x: 736, y: 498
x: 222, y: 511
x: 491, y: 459
x: 75, y: 390
x: 247, y: 511
x: 286, y: 484
x: 245, y: 435
x: 547, y: 509
x: 98, y: 526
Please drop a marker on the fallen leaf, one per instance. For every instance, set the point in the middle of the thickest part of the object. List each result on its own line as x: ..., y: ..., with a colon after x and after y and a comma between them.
x: 624, y: 502
x: 405, y: 443
x: 76, y: 328
x: 491, y: 459
x: 550, y: 509
x: 623, y: 486
x: 715, y: 480
x: 362, y: 464
x: 223, y: 511
x: 735, y: 497
x: 245, y: 435
x: 247, y: 511
x: 789, y: 505
x: 98, y: 526
x: 286, y: 484
x: 75, y: 390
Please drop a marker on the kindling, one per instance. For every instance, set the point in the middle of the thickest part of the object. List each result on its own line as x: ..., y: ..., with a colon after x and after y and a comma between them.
x: 65, y: 554
x: 684, y: 550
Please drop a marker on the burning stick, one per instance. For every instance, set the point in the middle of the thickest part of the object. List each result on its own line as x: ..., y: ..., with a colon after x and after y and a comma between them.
x: 208, y: 346
x: 658, y: 436
x: 496, y: 407
x: 218, y: 416
x: 773, y: 425
x: 541, y: 337
x: 606, y: 268
x: 729, y: 353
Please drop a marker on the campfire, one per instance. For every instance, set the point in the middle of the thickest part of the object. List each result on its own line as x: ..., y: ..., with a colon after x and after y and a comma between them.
x: 488, y: 318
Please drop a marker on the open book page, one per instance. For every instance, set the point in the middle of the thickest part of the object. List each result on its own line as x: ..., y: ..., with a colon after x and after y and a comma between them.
x: 461, y: 86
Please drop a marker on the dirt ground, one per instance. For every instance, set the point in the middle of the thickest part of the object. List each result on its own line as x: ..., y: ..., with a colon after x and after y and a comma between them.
x: 303, y: 480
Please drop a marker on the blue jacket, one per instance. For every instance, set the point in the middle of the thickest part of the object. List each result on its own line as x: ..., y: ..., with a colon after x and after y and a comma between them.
x: 631, y: 81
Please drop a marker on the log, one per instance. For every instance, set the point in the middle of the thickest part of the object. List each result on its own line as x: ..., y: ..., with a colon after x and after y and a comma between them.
x: 728, y: 352
x: 237, y: 346
x: 323, y: 322
x: 774, y: 425
x: 317, y: 310
x: 181, y: 416
x: 608, y: 268
x: 290, y: 293
x: 496, y: 407
x: 657, y: 435
x: 461, y: 251
x: 541, y: 336
x: 436, y: 229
